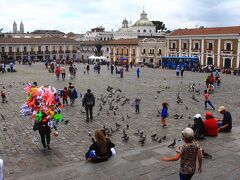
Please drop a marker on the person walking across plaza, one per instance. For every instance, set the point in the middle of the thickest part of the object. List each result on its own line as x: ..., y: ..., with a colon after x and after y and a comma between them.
x: 45, y: 132
x: 177, y: 70
x: 182, y: 71
x: 11, y: 66
x: 225, y: 125
x: 3, y: 67
x: 112, y: 68
x: 65, y: 96
x: 72, y: 94
x: 137, y: 105
x: 189, y: 152
x: 57, y: 72
x: 164, y: 114
x: 63, y: 72
x: 138, y: 72
x: 88, y: 102
x: 207, y: 100
x: 88, y: 68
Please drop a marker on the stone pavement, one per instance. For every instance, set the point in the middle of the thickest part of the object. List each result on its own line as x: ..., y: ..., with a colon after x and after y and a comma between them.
x: 24, y: 160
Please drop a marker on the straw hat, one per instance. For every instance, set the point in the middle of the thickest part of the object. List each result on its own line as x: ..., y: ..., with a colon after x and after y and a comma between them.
x: 221, y: 108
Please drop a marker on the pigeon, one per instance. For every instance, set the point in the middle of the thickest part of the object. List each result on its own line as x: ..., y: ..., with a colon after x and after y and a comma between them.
x: 3, y: 87
x: 10, y: 85
x: 137, y: 133
x: 155, y: 139
x: 153, y: 136
x: 114, y: 113
x: 180, y: 117
x: 172, y: 144
x: 164, y: 138
x: 127, y: 126
x: 128, y: 116
x: 124, y: 135
x: 112, y: 130
x: 122, y: 118
x: 118, y: 125
x: 4, y: 128
x: 3, y: 118
x: 66, y: 122
x: 124, y: 131
x: 206, y: 155
x: 126, y: 138
x: 160, y: 140
x: 142, y: 140
x: 118, y: 90
x: 141, y: 134
x: 186, y: 107
x: 89, y: 134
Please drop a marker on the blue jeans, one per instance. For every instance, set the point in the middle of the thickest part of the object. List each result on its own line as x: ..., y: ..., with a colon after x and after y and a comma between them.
x: 208, y: 102
x: 185, y: 176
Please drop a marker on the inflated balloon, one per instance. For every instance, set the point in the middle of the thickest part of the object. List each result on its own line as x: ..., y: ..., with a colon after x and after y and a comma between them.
x: 43, y: 105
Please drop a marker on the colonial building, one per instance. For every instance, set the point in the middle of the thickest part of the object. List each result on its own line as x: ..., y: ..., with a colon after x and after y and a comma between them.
x: 219, y: 46
x: 38, y: 48
x: 152, y: 49
x: 97, y: 34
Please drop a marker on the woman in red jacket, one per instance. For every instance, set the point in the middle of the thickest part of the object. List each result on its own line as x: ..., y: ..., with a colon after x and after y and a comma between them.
x: 210, y: 125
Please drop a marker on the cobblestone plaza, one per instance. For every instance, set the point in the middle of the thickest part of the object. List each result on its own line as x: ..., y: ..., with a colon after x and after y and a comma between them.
x: 25, y: 160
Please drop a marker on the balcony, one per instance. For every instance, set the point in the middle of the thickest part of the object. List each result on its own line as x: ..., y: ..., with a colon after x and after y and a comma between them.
x: 196, y: 50
x: 227, y: 51
x: 111, y: 54
x: 74, y: 51
x: 32, y: 53
x: 54, y: 52
x: 10, y: 53
x: 133, y: 54
x: 3, y: 53
x: 125, y: 54
x: 47, y: 52
x: 61, y: 52
x: 24, y: 53
x: 151, y: 54
x: 67, y: 51
x: 39, y: 52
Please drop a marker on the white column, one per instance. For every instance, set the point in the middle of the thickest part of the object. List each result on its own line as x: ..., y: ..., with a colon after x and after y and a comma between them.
x: 114, y: 53
x: 167, y: 52
x: 238, y: 54
x: 219, y: 52
x: 130, y: 54
x: 190, y: 47
x: 137, y: 54
x: 180, y: 48
x: 202, y: 52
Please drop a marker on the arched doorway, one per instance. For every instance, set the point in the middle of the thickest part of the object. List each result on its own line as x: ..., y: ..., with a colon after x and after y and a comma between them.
x: 151, y: 60
x: 209, y: 61
x: 227, y: 63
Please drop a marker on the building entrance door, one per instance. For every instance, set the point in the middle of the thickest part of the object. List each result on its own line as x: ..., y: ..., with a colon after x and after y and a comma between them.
x: 227, y: 63
x: 209, y: 61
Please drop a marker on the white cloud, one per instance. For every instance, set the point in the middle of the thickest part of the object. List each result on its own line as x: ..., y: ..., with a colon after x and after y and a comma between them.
x: 82, y: 15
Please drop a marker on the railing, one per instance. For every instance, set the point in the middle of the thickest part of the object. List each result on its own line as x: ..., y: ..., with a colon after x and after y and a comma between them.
x: 39, y: 52
x: 133, y: 54
x: 24, y: 53
x: 74, y: 51
x: 54, y: 52
x: 67, y: 51
x: 47, y: 52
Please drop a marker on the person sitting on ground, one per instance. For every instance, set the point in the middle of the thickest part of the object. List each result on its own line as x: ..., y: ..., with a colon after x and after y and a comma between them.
x: 198, y: 127
x: 210, y: 125
x: 189, y: 152
x: 226, y: 122
x: 101, y: 149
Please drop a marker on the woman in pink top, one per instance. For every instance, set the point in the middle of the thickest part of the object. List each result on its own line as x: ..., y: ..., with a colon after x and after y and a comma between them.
x: 207, y: 99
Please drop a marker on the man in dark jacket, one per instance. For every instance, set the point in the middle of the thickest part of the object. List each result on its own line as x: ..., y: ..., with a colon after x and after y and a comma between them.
x: 88, y: 102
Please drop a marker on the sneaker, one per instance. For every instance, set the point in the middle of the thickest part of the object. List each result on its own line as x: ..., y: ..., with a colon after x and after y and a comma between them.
x: 164, y: 126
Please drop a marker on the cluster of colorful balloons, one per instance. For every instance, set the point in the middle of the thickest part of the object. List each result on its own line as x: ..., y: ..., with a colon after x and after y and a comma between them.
x: 43, y: 105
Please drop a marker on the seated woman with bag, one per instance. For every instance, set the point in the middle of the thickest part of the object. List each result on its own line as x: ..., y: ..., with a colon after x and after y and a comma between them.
x: 100, y: 150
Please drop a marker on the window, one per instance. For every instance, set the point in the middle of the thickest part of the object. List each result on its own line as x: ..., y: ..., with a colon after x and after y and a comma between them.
x: 107, y: 49
x: 10, y: 49
x: 32, y: 49
x: 184, y: 45
x: 46, y: 48
x: 210, y: 46
x: 3, y: 49
x: 138, y: 30
x: 160, y: 52
x: 228, y: 46
x: 144, y: 30
x: 60, y: 48
x: 122, y: 51
x: 117, y: 51
x: 39, y: 48
x: 67, y: 48
x: 151, y: 51
x: 25, y: 49
x: 144, y: 51
x: 196, y: 46
x: 127, y: 52
x: 174, y: 45
x: 150, y: 31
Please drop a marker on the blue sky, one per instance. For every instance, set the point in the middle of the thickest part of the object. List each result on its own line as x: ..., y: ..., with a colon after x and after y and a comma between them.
x: 81, y: 15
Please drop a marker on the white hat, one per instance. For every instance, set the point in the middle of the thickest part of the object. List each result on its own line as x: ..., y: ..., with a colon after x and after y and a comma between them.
x: 221, y: 108
x: 197, y: 116
x: 188, y: 133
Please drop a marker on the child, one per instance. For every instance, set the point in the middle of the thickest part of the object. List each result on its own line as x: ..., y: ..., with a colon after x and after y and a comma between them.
x: 3, y: 95
x: 137, y: 103
x: 207, y: 99
x: 188, y: 153
x: 65, y: 95
x: 164, y: 114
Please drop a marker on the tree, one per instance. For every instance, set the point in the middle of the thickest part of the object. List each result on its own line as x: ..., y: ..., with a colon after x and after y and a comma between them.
x: 159, y: 25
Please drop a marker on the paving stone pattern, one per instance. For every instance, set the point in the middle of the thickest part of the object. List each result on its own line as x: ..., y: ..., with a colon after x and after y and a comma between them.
x: 25, y: 160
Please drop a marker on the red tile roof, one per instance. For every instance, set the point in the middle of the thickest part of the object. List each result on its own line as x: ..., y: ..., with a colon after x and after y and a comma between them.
x: 47, y: 40
x: 206, y: 31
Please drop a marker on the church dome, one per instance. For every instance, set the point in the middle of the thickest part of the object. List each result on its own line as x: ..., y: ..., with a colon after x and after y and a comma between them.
x: 143, y: 21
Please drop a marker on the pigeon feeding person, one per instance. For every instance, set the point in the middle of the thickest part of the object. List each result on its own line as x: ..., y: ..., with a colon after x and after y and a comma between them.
x: 188, y: 153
